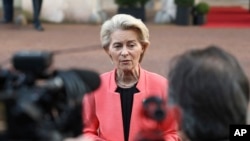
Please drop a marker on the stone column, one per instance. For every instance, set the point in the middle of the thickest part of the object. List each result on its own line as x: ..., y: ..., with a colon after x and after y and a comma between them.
x: 167, y: 12
x: 97, y: 15
x: 76, y: 11
x: 196, y: 1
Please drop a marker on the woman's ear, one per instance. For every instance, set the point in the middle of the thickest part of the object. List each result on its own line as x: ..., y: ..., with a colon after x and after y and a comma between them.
x: 145, y: 45
x: 106, y: 50
x: 110, y: 57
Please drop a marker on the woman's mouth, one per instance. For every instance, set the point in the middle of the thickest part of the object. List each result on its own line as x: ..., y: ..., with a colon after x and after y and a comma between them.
x: 125, y: 61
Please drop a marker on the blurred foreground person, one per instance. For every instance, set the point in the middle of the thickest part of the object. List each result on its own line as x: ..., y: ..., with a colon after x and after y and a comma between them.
x: 113, y: 112
x: 9, y: 13
x: 211, y: 92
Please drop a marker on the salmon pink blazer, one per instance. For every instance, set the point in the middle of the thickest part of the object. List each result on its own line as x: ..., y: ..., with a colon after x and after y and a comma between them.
x: 102, y: 112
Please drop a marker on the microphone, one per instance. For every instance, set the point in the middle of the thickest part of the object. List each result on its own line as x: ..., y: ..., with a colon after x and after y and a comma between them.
x: 91, y: 78
x: 154, y: 108
x: 75, y: 82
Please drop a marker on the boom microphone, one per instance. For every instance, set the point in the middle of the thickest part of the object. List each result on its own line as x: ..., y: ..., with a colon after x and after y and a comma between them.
x: 91, y: 78
x: 75, y: 82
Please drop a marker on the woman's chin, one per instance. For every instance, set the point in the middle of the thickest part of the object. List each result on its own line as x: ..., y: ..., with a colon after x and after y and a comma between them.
x: 126, y: 68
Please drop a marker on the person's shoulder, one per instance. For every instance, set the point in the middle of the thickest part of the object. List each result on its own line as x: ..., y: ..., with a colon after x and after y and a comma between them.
x: 105, y: 79
x: 154, y: 75
x: 156, y: 83
x: 105, y: 74
x: 155, y: 78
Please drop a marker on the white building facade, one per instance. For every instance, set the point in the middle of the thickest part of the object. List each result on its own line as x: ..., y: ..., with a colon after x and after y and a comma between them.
x: 95, y: 11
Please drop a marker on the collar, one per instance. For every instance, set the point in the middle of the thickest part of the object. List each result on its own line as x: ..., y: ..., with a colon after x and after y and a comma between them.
x: 140, y: 84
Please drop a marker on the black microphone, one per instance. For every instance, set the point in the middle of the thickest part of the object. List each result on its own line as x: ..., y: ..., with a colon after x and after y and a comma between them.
x: 91, y: 78
x: 75, y: 82
x: 154, y: 108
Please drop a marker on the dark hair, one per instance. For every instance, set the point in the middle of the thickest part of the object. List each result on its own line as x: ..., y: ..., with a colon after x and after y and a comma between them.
x: 212, y: 91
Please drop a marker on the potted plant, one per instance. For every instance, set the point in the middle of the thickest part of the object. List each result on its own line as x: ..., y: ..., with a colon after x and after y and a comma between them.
x: 135, y: 8
x: 184, y: 12
x: 200, y: 13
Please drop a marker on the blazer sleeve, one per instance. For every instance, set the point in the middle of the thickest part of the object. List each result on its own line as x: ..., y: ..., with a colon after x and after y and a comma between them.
x: 90, y: 120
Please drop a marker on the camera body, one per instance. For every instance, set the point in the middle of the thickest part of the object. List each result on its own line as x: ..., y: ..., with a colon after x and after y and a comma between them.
x: 28, y: 114
x: 41, y: 105
x: 37, y: 104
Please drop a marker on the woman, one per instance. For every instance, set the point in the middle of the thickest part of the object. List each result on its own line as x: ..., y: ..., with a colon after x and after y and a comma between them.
x: 113, y: 112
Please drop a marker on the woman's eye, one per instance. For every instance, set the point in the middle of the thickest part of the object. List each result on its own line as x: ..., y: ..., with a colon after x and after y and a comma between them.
x: 131, y: 45
x: 117, y: 46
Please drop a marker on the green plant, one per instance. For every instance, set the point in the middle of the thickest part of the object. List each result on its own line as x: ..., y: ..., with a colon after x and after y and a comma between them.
x: 184, y: 3
x: 202, y: 8
x: 131, y: 3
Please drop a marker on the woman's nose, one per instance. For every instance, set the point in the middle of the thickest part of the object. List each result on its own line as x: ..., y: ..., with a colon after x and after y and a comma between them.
x: 124, y: 51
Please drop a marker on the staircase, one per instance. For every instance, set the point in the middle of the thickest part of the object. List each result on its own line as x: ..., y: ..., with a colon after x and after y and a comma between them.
x: 243, y: 3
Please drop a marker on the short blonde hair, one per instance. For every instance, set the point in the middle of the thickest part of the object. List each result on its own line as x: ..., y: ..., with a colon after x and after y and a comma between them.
x: 124, y: 22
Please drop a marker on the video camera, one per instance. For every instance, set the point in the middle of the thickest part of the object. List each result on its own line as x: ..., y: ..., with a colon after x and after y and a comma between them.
x: 39, y: 104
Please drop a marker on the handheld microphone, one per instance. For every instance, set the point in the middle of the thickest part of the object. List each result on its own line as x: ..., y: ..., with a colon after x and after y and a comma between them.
x: 154, y: 108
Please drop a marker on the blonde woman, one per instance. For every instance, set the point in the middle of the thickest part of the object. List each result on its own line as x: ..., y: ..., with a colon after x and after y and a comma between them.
x: 113, y: 112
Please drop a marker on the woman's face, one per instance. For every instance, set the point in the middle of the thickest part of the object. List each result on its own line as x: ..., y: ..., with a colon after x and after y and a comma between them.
x: 125, y: 49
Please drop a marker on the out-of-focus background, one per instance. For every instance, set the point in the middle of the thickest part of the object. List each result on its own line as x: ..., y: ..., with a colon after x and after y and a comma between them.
x: 74, y: 26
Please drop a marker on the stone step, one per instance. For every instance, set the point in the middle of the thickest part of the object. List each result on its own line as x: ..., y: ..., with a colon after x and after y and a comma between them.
x: 227, y: 2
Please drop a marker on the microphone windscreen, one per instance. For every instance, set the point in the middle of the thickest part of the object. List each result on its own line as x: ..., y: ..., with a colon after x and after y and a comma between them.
x: 90, y: 78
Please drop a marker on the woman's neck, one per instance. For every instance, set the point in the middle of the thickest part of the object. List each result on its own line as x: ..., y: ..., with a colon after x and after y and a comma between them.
x: 127, y: 79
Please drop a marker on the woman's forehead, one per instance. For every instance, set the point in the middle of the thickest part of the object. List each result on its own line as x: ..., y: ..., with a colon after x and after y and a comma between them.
x: 121, y: 35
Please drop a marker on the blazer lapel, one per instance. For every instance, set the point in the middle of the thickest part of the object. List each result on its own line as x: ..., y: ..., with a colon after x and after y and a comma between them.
x: 117, y: 114
x: 136, y: 115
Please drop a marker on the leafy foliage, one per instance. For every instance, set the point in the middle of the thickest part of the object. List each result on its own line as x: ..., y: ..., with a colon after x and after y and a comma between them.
x: 184, y: 3
x: 202, y: 8
x: 131, y: 3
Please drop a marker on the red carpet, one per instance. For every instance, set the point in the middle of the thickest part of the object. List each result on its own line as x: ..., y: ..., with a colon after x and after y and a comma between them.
x: 228, y: 17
